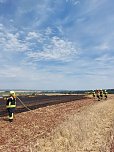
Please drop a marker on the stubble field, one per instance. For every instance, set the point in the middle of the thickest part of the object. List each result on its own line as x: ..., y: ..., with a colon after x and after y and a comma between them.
x: 80, y: 125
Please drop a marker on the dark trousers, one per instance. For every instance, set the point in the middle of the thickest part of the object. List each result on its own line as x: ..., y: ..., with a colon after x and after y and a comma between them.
x: 98, y: 97
x: 105, y: 96
x: 10, y: 113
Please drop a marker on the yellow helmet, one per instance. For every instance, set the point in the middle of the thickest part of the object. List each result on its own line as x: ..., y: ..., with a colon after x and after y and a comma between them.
x: 12, y: 93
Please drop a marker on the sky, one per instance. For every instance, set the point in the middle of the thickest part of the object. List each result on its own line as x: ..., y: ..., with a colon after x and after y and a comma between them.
x: 56, y: 44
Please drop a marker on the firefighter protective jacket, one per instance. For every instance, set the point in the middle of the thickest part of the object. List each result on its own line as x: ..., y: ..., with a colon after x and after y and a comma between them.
x: 11, y: 102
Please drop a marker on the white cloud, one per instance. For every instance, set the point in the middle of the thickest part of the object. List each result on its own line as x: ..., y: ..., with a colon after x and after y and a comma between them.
x: 37, y: 45
x: 10, y: 71
x: 14, y: 44
x: 1, y: 26
x: 42, y: 10
x: 105, y: 58
x: 93, y: 5
x: 103, y: 46
x: 11, y: 42
x: 52, y: 49
x: 3, y: 1
x: 35, y: 36
x: 48, y: 31
x: 58, y: 49
x: 74, y: 2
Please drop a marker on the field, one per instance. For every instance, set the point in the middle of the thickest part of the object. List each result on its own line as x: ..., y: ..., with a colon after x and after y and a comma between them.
x: 38, y: 101
x: 72, y: 123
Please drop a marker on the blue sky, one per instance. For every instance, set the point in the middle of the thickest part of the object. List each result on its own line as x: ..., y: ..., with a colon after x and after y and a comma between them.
x: 56, y: 44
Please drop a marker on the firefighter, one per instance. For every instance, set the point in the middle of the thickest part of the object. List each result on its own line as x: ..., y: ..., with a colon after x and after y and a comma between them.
x: 98, y: 94
x: 105, y: 94
x: 10, y: 105
x: 101, y: 94
x: 93, y: 93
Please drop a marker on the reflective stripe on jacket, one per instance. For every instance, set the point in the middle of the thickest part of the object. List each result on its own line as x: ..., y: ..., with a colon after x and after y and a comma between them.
x: 11, y: 106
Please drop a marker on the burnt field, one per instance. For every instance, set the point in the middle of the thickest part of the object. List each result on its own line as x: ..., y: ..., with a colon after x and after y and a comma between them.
x: 34, y: 102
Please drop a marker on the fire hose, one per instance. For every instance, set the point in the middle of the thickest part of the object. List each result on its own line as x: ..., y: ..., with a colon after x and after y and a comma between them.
x: 23, y: 104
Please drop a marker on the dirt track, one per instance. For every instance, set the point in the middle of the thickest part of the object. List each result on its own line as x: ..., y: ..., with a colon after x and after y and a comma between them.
x: 29, y: 126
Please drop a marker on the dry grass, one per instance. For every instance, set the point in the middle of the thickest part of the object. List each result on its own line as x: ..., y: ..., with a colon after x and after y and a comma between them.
x: 78, y: 126
x: 29, y: 126
x: 90, y: 130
